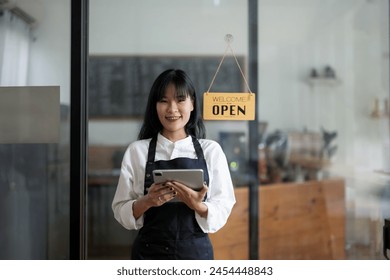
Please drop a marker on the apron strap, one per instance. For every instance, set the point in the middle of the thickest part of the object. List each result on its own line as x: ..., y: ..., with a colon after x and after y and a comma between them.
x: 152, y: 149
x: 198, y: 148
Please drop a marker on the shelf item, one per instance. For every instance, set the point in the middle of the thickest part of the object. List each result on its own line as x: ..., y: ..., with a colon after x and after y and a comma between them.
x: 378, y: 112
x: 323, y: 81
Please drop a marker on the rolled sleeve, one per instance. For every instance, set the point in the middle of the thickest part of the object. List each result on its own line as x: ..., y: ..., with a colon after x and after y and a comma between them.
x: 123, y: 213
x: 216, y: 217
x: 220, y: 196
x: 126, y: 193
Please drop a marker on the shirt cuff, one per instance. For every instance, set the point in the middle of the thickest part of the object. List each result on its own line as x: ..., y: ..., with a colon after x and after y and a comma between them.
x: 204, y: 223
x: 128, y: 220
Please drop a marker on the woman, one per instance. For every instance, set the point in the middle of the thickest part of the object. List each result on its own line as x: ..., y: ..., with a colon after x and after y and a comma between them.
x: 172, y: 138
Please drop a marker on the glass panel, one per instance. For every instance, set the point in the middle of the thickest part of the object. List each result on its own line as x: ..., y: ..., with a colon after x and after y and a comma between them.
x: 324, y: 91
x: 131, y: 42
x: 323, y: 106
x: 34, y: 167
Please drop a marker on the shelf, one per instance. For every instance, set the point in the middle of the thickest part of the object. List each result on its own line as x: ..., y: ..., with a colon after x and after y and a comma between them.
x: 383, y: 172
x: 332, y: 82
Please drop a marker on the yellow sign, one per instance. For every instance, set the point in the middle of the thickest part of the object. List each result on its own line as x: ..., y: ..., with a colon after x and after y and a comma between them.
x: 229, y: 106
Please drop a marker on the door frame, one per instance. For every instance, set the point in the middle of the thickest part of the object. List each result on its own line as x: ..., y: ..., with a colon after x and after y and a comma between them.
x: 78, y: 129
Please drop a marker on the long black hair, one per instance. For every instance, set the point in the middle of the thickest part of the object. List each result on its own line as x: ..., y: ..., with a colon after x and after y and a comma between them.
x: 184, y: 87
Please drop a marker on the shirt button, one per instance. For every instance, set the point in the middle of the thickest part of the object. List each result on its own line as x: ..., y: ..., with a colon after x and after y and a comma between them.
x: 166, y: 248
x: 148, y: 175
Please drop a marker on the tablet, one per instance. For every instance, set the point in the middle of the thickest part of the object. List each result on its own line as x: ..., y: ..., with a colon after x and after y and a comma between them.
x: 192, y: 178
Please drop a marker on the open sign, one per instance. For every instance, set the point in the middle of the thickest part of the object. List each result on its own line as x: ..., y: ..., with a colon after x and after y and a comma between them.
x: 229, y: 106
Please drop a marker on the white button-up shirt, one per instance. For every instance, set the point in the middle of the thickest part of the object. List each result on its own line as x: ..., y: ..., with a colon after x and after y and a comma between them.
x: 220, y: 194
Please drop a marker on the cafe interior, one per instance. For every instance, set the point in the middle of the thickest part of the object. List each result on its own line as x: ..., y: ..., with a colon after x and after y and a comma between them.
x: 311, y: 171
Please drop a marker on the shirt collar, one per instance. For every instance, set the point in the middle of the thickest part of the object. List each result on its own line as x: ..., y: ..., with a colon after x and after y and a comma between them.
x: 165, y: 141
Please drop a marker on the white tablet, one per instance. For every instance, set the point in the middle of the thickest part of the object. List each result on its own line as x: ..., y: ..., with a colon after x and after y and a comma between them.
x: 192, y: 178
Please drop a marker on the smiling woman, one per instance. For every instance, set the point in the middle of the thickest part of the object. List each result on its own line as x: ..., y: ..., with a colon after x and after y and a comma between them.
x: 171, y: 138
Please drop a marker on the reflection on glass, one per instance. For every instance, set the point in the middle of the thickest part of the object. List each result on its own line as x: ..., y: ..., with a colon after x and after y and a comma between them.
x: 325, y: 85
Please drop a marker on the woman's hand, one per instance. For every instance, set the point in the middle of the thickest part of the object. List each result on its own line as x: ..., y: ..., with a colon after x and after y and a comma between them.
x: 193, y: 199
x: 157, y: 195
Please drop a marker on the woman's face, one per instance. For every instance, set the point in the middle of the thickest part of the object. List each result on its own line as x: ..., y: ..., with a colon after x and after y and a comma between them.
x: 174, y: 113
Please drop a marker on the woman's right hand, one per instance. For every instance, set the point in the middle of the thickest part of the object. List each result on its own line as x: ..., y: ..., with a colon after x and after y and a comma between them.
x: 157, y: 195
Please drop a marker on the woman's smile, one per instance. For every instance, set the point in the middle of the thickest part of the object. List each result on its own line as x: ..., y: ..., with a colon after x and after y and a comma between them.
x: 172, y: 118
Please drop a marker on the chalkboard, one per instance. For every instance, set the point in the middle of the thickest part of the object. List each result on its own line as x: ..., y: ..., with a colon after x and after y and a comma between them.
x: 119, y: 85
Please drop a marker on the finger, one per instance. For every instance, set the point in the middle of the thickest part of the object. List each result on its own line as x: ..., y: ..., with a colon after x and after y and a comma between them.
x: 169, y: 196
x: 160, y: 200
x: 167, y: 189
x: 156, y: 188
x: 179, y: 186
x: 181, y: 190
x: 170, y: 184
x: 153, y: 187
x: 204, y: 190
x: 178, y: 189
x: 167, y: 192
x: 159, y: 194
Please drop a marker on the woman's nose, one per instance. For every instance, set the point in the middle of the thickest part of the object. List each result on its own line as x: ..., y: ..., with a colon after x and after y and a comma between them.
x: 172, y: 106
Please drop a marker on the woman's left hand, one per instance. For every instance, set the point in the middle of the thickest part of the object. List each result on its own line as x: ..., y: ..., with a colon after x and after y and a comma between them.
x: 193, y: 199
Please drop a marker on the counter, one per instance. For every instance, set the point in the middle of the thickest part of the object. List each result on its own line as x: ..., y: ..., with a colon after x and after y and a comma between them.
x: 296, y: 221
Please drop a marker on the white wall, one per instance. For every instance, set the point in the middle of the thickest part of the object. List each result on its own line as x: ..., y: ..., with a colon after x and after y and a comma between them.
x: 371, y: 45
x: 177, y: 27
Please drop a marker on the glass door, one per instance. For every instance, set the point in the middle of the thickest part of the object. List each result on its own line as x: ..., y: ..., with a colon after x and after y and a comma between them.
x: 323, y: 118
x: 35, y: 129
x: 130, y: 44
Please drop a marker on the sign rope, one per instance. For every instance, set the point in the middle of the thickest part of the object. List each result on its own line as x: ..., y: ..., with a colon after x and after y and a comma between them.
x: 229, y: 105
x: 228, y: 39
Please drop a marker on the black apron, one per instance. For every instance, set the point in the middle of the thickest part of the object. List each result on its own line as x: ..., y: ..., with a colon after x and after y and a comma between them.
x: 171, y: 231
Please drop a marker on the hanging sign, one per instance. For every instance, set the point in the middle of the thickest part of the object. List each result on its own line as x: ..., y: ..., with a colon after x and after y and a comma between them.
x: 229, y: 106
